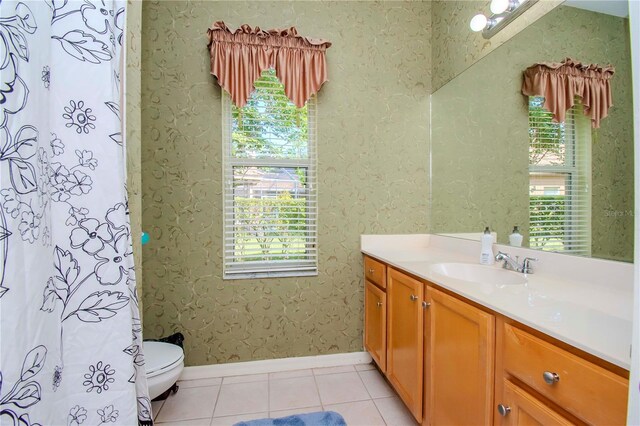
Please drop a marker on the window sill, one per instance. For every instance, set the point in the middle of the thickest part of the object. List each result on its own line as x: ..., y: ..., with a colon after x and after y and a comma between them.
x: 266, y: 275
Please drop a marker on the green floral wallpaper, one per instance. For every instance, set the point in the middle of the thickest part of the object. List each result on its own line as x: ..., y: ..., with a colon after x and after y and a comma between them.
x: 479, y: 143
x: 373, y: 129
x: 134, y: 143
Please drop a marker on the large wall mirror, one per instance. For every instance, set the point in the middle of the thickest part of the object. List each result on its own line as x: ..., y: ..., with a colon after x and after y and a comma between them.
x: 484, y: 159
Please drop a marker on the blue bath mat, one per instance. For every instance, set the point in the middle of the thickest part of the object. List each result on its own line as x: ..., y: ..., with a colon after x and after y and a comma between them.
x: 320, y: 418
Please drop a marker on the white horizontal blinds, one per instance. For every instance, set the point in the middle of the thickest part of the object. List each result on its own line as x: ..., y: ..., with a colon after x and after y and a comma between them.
x: 559, y: 180
x: 270, y: 200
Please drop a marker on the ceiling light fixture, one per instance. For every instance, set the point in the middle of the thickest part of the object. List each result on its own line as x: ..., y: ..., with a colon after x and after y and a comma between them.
x: 499, y: 6
x: 502, y: 13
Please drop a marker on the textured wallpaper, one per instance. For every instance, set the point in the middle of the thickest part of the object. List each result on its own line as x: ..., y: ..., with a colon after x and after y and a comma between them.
x: 613, y: 167
x: 456, y: 47
x: 373, y: 129
x: 480, y: 142
x: 134, y: 143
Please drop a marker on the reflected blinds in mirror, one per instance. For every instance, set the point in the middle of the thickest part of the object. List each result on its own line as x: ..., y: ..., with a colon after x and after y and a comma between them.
x: 559, y: 180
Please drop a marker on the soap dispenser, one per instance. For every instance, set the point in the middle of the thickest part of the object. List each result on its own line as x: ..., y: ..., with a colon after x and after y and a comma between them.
x: 515, y: 239
x: 486, y: 254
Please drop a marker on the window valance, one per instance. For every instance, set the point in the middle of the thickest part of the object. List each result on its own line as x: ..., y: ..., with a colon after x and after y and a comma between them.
x: 239, y: 57
x: 560, y: 83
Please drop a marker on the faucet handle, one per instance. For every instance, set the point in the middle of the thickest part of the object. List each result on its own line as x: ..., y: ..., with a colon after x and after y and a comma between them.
x: 526, y: 265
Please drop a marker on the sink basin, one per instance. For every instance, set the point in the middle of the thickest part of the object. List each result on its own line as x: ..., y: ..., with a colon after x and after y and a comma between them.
x: 473, y: 273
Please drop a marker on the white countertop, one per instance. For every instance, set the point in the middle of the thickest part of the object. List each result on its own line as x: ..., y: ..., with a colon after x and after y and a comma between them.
x: 587, y: 303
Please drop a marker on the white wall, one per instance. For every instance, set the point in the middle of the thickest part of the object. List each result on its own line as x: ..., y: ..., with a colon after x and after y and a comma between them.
x: 633, y: 416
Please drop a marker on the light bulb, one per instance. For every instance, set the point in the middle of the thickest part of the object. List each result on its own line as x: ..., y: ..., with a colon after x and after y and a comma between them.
x: 499, y: 6
x: 478, y: 22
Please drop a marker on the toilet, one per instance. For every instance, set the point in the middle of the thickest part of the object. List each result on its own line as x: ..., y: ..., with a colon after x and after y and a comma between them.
x: 163, y: 363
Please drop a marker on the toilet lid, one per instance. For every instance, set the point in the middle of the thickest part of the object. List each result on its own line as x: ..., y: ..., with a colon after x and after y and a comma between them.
x: 160, y: 356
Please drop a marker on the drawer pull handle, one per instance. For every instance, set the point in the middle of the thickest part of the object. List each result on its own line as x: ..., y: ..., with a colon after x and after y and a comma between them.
x: 379, y: 304
x: 413, y: 297
x: 503, y: 410
x: 550, y: 378
x: 425, y: 305
x: 371, y: 270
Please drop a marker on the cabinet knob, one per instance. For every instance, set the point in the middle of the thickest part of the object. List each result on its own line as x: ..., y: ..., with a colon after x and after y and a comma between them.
x: 425, y: 305
x: 503, y: 410
x: 550, y: 378
x: 379, y: 304
x: 413, y: 297
x: 371, y: 270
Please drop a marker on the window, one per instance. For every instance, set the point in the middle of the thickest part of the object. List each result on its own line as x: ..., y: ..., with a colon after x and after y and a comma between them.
x: 559, y: 180
x: 270, y: 197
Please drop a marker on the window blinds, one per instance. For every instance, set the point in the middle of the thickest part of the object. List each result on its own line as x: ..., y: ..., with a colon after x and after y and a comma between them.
x: 559, y: 180
x: 270, y: 197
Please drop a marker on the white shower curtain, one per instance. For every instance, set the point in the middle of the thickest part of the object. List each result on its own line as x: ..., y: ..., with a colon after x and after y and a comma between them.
x: 70, y: 334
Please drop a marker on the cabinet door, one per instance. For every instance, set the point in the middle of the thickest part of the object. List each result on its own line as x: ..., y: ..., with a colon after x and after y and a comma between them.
x: 459, y: 362
x: 519, y: 408
x: 405, y: 339
x: 375, y: 324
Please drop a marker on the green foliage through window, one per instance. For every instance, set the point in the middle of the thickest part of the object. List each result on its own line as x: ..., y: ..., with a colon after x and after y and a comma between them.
x: 273, y: 227
x: 547, y: 139
x: 559, y: 180
x: 269, y: 125
x: 548, y: 230
x: 269, y: 195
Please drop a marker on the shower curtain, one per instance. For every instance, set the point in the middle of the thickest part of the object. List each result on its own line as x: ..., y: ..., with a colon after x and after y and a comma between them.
x: 70, y: 333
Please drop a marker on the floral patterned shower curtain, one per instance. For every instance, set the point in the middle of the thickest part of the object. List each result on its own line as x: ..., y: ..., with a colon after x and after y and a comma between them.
x: 70, y: 334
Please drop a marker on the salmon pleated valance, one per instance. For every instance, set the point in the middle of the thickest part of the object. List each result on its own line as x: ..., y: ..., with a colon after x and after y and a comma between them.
x: 560, y: 83
x: 239, y: 57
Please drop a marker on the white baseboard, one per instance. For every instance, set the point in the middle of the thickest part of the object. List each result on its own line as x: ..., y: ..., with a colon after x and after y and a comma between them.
x: 274, y: 365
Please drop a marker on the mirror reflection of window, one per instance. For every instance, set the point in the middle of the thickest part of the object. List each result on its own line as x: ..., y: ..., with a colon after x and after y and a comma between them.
x: 559, y: 180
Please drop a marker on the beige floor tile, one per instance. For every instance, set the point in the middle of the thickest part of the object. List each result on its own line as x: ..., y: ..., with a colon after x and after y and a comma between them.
x: 195, y: 422
x: 155, y: 408
x: 184, y: 384
x: 293, y: 393
x: 290, y: 374
x: 343, y: 387
x: 188, y: 404
x: 376, y: 384
x: 360, y: 413
x: 246, y: 378
x: 365, y: 367
x: 285, y: 413
x: 242, y: 398
x: 231, y: 420
x: 333, y: 370
x: 394, y: 412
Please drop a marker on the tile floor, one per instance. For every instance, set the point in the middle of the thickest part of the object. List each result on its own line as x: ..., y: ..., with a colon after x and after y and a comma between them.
x: 359, y: 393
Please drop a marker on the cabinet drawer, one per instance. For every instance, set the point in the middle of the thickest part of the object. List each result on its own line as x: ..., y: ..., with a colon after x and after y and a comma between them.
x: 584, y: 389
x: 375, y: 272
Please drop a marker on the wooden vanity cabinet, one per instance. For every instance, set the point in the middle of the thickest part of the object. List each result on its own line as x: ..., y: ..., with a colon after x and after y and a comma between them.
x: 375, y: 324
x: 454, y: 362
x: 571, y: 385
x: 459, y: 361
x: 405, y: 338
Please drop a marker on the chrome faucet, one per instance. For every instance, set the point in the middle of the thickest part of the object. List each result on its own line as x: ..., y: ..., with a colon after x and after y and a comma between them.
x: 514, y: 265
